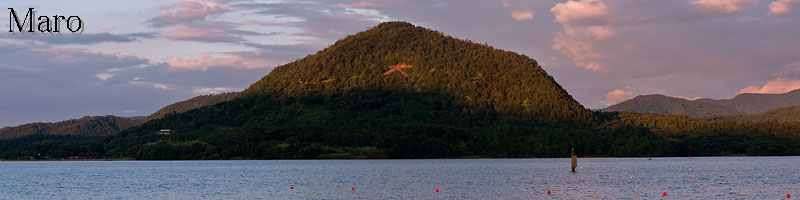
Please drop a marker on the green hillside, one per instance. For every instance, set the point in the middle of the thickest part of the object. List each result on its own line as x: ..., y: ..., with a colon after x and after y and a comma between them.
x: 479, y: 77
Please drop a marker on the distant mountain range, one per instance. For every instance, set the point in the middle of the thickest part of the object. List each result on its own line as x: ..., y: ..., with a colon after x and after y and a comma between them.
x: 109, y: 124
x: 741, y: 104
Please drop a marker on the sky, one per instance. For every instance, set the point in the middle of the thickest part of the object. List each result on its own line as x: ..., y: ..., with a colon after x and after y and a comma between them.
x: 135, y: 57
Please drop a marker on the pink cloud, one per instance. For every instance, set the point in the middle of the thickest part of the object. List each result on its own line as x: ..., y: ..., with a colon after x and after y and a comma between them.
x: 188, y: 11
x: 227, y: 60
x: 198, y: 34
x: 522, y: 15
x: 780, y: 7
x: 778, y: 86
x: 724, y: 6
x: 579, y: 38
x: 617, y: 96
x: 579, y: 12
x: 580, y: 50
x: 628, y: 92
x: 519, y: 15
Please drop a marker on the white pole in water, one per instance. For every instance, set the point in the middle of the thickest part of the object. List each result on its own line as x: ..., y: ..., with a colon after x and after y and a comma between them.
x: 574, y: 160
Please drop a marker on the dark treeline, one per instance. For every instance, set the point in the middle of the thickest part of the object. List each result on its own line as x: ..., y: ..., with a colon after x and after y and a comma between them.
x: 381, y: 124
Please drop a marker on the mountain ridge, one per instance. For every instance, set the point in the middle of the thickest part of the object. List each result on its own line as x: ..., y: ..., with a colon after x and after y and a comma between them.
x: 93, y: 126
x: 746, y: 103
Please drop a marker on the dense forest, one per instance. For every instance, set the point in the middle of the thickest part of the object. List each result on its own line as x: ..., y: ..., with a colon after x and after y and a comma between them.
x: 460, y: 99
x: 787, y: 114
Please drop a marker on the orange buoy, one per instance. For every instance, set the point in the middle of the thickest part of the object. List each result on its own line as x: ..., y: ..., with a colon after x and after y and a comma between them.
x: 690, y: 177
x: 737, y: 159
x: 437, y: 190
x: 548, y: 191
x: 352, y: 189
x: 664, y: 194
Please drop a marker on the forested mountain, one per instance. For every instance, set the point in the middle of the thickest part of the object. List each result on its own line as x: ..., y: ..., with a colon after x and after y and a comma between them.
x: 85, y: 126
x: 746, y: 103
x: 756, y: 103
x: 787, y: 114
x: 402, y: 91
x: 194, y: 102
x: 656, y: 103
x: 347, y: 101
x: 108, y: 125
x: 477, y: 76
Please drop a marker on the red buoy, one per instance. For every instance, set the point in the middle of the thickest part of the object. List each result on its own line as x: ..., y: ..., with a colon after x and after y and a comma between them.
x: 548, y: 191
x: 352, y: 189
x: 788, y: 196
x: 437, y: 190
x: 664, y: 194
x: 291, y: 187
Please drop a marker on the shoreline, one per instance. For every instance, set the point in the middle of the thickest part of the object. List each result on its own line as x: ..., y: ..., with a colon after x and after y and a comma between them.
x: 464, y: 158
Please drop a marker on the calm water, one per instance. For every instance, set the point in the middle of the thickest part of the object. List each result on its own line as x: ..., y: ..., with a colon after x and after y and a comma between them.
x: 599, y: 178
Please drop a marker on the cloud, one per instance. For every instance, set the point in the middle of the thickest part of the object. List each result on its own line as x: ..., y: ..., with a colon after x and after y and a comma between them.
x: 246, y: 60
x: 320, y: 22
x: 151, y: 84
x: 360, y: 4
x: 52, y: 83
x: 778, y: 86
x: 522, y: 15
x: 585, y: 22
x: 62, y: 56
x: 130, y: 111
x: 628, y: 92
x: 724, y: 6
x: 519, y: 15
x: 780, y: 7
x: 104, y: 76
x: 187, y: 11
x: 201, y: 35
x: 82, y: 39
x: 583, y: 12
x: 215, y: 90
x: 789, y: 69
x: 617, y: 96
